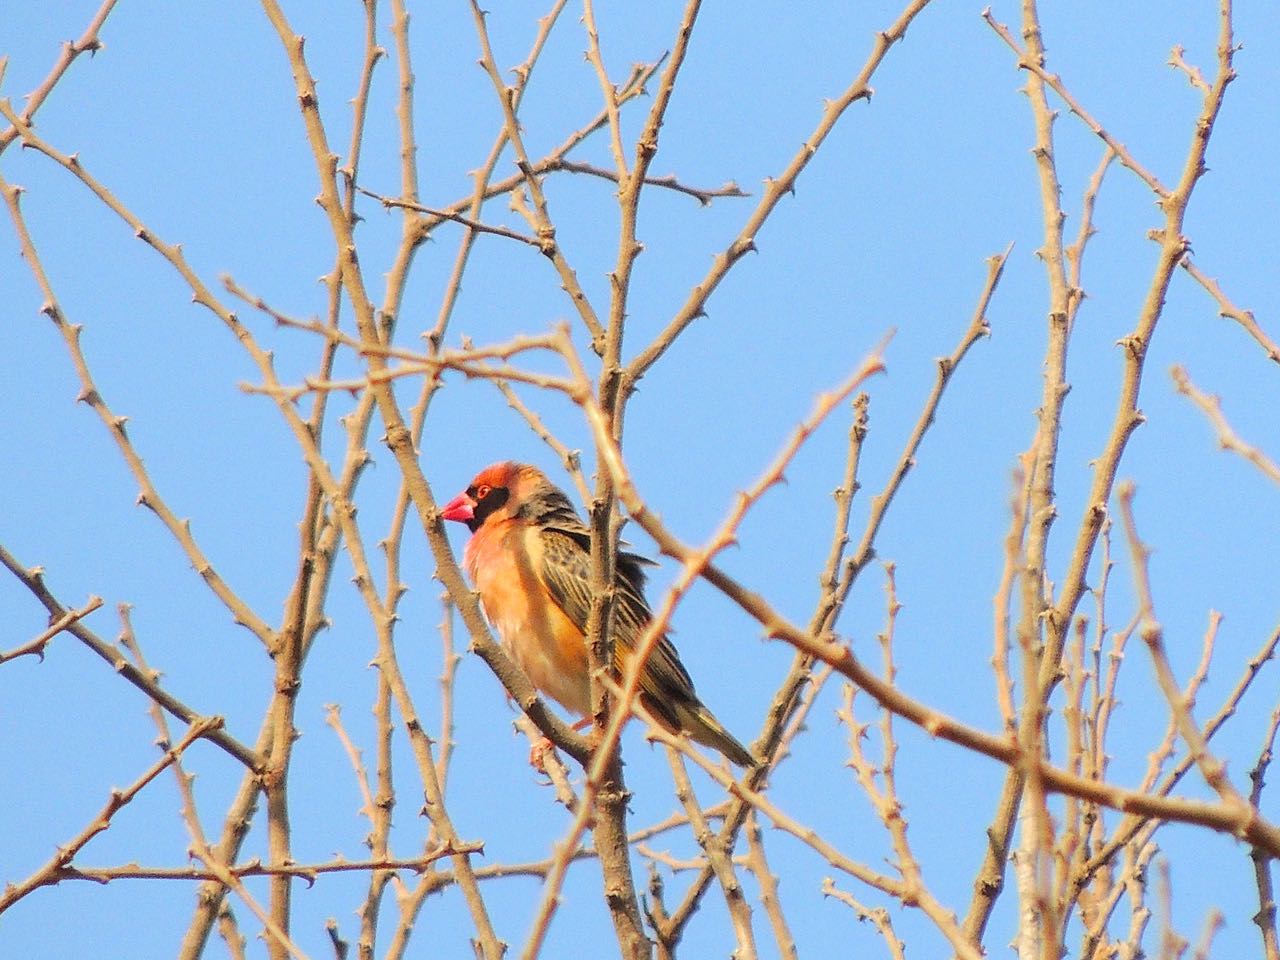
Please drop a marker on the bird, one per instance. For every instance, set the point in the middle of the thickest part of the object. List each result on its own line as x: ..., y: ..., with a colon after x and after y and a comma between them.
x: 530, y: 561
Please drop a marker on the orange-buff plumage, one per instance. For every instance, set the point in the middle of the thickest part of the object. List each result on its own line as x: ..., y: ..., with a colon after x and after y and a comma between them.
x: 529, y: 558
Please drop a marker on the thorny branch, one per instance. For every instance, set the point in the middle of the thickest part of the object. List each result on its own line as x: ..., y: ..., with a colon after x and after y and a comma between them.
x: 1052, y: 635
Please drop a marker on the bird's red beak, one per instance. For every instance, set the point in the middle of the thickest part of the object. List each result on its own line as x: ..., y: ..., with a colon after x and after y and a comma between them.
x: 461, y: 508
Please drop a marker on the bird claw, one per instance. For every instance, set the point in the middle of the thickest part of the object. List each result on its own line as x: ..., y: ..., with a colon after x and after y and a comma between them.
x: 537, y: 755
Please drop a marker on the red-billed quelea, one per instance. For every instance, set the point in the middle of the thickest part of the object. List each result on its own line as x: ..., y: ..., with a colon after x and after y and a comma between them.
x: 529, y: 558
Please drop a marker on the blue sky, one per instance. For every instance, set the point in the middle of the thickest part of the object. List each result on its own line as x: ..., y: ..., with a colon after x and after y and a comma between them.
x: 189, y: 116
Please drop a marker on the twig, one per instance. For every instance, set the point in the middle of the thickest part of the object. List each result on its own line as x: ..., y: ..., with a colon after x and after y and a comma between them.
x: 56, y: 867
x: 1265, y: 918
x: 470, y: 223
x: 718, y: 858
x: 1228, y: 439
x: 229, y: 930
x: 1229, y: 310
x: 878, y: 916
x: 36, y: 647
x: 87, y: 43
x: 1213, y: 770
x: 1212, y: 925
x: 572, y: 459
x: 333, y: 717
x: 1014, y: 560
x: 670, y: 861
x: 309, y: 872
x: 148, y: 496
x: 775, y: 189
x: 607, y: 89
x: 704, y: 195
x: 1032, y: 60
x: 1172, y: 945
x: 758, y: 864
x: 557, y: 773
x: 33, y: 580
x: 540, y: 218
x: 340, y: 946
x: 1194, y: 76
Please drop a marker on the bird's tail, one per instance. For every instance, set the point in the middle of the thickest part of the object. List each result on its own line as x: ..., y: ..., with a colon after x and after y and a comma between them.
x: 697, y: 721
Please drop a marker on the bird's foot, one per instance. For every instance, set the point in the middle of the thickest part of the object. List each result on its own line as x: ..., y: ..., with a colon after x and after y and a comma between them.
x: 543, y: 746
x: 538, y: 753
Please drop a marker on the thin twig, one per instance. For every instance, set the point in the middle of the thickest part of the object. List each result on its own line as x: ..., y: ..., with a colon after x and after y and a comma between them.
x: 1213, y: 769
x: 56, y: 867
x: 88, y: 42
x: 758, y: 864
x: 1265, y: 918
x: 775, y: 189
x: 36, y: 646
x: 309, y: 872
x: 33, y: 580
x: 1228, y: 439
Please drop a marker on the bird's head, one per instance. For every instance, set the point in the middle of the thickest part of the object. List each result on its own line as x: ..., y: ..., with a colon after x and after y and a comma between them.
x: 497, y: 492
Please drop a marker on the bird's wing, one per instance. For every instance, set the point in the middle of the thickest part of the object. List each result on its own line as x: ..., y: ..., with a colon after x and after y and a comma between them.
x: 565, y: 568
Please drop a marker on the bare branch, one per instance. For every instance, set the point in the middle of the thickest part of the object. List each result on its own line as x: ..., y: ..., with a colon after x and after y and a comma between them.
x: 1228, y: 439
x: 36, y: 647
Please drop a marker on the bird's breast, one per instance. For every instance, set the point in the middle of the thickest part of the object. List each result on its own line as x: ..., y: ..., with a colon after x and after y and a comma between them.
x: 533, y: 628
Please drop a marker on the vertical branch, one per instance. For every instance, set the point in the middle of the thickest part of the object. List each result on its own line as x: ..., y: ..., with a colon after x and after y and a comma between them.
x: 1041, y: 656
x: 1265, y: 918
x: 776, y: 188
x: 1014, y: 563
x: 719, y: 858
x: 304, y: 613
x: 275, y: 778
x: 607, y: 90
x: 629, y: 190
x: 611, y: 830
x: 539, y: 217
x: 404, y: 101
x: 380, y: 814
x: 1173, y: 247
x: 399, y: 440
x: 210, y: 897
x: 1063, y: 300
x: 1073, y: 837
x: 835, y: 590
x: 1212, y: 769
x: 758, y: 864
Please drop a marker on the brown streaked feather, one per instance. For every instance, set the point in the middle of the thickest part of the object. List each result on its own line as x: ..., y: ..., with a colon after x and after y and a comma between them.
x: 566, y: 571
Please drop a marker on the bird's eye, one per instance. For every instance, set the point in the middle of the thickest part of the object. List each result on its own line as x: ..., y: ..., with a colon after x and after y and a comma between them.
x: 482, y: 491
